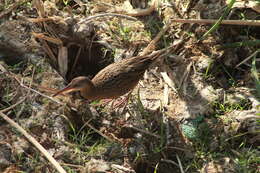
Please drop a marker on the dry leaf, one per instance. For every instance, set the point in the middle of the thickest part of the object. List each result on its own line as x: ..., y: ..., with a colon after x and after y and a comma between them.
x: 63, y: 61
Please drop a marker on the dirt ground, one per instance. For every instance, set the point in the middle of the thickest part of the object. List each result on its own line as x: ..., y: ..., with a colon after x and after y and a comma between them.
x: 196, y: 109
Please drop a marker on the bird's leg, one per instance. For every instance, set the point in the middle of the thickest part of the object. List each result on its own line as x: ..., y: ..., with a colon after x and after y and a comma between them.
x: 123, y: 102
x: 115, y: 103
x: 103, y: 102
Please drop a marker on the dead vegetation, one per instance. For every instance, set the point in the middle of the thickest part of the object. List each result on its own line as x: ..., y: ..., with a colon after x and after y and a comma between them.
x: 195, y: 111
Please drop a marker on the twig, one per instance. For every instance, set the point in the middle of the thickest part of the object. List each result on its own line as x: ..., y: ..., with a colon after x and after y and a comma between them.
x: 56, y: 101
x: 106, y: 15
x: 180, y: 165
x: 97, y: 131
x: 246, y: 59
x: 33, y: 141
x: 56, y: 41
x: 31, y: 89
x: 84, y: 125
x: 13, y: 106
x: 224, y: 22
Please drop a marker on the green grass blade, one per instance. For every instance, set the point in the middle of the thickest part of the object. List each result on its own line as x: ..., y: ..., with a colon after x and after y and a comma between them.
x: 216, y: 25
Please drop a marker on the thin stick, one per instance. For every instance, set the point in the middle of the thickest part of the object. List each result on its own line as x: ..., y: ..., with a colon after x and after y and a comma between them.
x: 97, y: 131
x: 246, y: 59
x: 13, y: 106
x: 224, y: 22
x: 24, y: 86
x: 180, y: 165
x: 42, y: 19
x: 106, y: 15
x: 34, y: 142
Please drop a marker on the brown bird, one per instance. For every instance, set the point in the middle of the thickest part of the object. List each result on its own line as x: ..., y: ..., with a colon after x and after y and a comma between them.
x: 114, y: 80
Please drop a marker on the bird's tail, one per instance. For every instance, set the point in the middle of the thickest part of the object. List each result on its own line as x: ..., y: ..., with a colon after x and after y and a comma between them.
x: 163, y: 52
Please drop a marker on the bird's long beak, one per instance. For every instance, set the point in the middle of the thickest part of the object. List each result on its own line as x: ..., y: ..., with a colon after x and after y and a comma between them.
x: 65, y: 90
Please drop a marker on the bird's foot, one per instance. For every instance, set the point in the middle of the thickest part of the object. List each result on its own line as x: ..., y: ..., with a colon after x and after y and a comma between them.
x: 121, y: 103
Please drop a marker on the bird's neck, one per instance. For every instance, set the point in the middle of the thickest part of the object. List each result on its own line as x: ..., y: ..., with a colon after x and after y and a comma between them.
x: 89, y: 92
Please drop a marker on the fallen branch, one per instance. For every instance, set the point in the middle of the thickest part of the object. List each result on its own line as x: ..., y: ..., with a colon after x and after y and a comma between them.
x: 224, y: 22
x: 13, y: 106
x: 106, y: 15
x: 32, y: 140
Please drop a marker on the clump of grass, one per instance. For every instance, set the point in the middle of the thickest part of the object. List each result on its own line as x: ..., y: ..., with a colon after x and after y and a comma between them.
x: 217, y: 24
x: 222, y: 108
x: 247, y: 160
x: 87, y: 143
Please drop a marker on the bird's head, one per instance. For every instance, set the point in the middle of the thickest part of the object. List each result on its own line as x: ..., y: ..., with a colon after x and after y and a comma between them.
x: 77, y: 84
